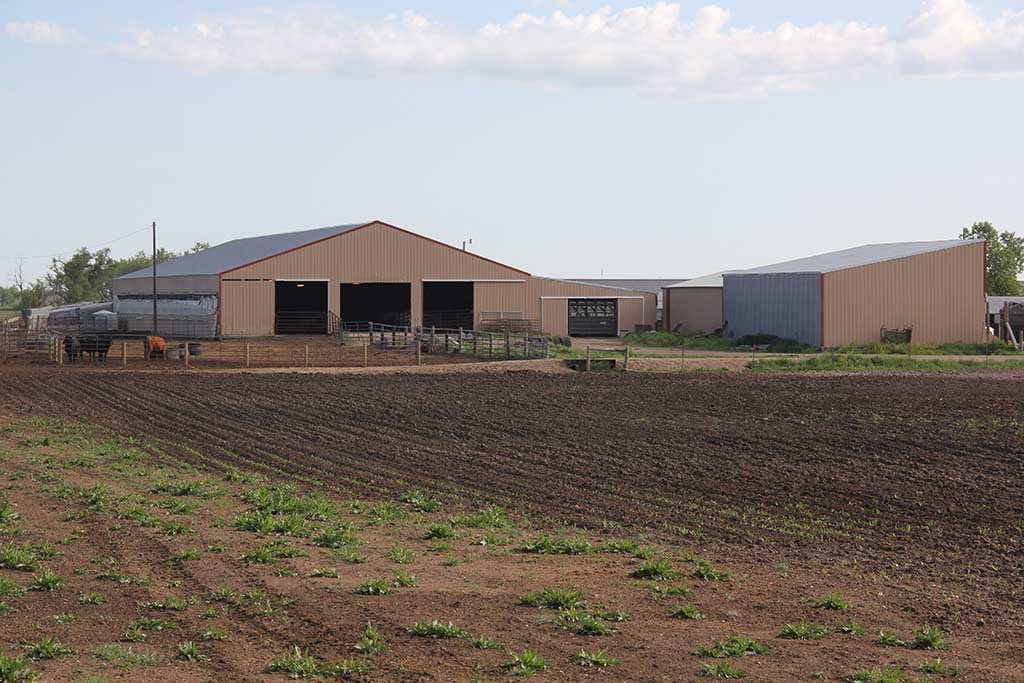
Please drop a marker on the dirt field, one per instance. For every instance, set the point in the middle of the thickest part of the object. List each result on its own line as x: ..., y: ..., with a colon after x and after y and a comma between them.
x: 900, y: 492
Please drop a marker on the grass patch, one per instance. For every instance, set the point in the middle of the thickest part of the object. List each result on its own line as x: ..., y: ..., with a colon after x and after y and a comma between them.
x: 370, y: 642
x: 400, y: 555
x: 420, y: 501
x: 706, y: 572
x: 734, y: 646
x: 376, y: 587
x: 297, y: 664
x: 437, y: 629
x: 851, y: 628
x: 848, y: 363
x: 324, y: 573
x: 169, y: 604
x: 19, y: 558
x: 491, y: 517
x: 9, y: 588
x: 803, y: 630
x: 686, y: 612
x: 270, y: 553
x: 350, y: 556
x: 598, y: 658
x: 336, y: 536
x: 832, y: 601
x: 92, y: 598
x: 441, y: 531
x: 485, y: 643
x: 526, y: 664
x: 655, y: 570
x: 47, y: 648
x: 583, y: 624
x: 46, y: 581
x: 724, y: 669
x: 929, y: 638
x: 890, y: 640
x: 553, y: 598
x: 661, y: 592
x: 188, y: 651
x: 935, y: 666
x: 552, y: 545
x: 125, y: 656
x: 214, y: 634
x: 16, y: 670
x: 267, y: 523
x: 403, y: 580
x: 626, y: 548
x: 889, y: 674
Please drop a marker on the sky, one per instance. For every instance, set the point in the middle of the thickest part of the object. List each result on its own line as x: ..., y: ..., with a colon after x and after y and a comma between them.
x: 565, y: 137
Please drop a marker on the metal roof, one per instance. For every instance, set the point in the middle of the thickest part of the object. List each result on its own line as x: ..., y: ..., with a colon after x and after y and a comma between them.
x: 995, y: 303
x: 240, y: 252
x: 652, y: 286
x: 712, y: 280
x: 857, y: 256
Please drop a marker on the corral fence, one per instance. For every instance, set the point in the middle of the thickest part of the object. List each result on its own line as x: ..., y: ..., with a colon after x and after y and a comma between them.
x: 352, y: 344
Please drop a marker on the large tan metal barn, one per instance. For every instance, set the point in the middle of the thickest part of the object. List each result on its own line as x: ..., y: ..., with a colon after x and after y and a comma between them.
x: 936, y: 289
x: 298, y: 282
x: 694, y: 305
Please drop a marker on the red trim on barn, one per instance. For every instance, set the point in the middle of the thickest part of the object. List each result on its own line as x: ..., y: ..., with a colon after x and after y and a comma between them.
x: 366, y: 225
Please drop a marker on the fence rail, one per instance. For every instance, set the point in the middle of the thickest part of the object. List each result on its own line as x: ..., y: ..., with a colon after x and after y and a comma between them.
x: 353, y: 344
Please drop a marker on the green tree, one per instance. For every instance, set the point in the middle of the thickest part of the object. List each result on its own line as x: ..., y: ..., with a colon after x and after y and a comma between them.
x: 1005, y: 258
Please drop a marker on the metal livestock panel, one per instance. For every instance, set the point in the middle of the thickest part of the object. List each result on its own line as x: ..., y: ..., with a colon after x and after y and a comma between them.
x: 787, y: 305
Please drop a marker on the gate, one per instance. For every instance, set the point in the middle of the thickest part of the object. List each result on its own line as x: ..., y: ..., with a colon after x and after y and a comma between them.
x: 593, y: 317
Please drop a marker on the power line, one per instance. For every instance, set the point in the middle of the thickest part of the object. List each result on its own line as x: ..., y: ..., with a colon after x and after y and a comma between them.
x: 69, y: 253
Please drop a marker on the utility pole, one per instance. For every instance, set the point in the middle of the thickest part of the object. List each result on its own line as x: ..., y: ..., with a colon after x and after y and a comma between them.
x: 154, y: 278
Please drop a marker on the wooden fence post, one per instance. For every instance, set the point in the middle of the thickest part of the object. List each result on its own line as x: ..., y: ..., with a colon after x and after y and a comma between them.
x: 508, y: 346
x: 186, y: 354
x: 366, y: 355
x: 588, y: 359
x: 246, y: 355
x: 627, y: 358
x: 419, y: 352
x: 307, y: 355
x: 124, y: 353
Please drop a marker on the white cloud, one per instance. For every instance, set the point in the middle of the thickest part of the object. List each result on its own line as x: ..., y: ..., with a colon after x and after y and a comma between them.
x: 38, y: 32
x: 652, y: 47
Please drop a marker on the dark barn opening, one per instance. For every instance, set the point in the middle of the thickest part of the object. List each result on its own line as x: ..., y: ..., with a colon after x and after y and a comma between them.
x: 448, y: 305
x: 387, y: 303
x: 300, y: 307
x: 593, y: 317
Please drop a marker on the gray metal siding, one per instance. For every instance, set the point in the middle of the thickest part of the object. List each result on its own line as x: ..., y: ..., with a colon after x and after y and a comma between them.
x: 787, y: 305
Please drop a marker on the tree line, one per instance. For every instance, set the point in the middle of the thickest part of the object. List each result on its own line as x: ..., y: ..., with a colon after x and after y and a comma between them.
x: 85, y: 276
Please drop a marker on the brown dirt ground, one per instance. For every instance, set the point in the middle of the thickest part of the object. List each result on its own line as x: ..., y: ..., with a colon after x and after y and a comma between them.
x: 899, y: 491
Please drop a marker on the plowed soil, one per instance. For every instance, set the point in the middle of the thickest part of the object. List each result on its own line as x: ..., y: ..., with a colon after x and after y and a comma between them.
x: 903, y: 489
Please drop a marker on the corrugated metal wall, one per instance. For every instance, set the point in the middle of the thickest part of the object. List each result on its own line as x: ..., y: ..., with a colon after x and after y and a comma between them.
x: 787, y: 305
x: 247, y: 308
x: 178, y: 284
x: 693, y: 309
x: 381, y: 253
x: 940, y: 294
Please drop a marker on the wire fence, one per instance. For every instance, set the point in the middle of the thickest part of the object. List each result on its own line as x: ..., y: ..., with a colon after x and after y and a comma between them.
x: 354, y: 344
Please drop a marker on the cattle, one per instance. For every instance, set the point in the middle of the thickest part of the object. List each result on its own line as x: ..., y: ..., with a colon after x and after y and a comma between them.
x: 96, y: 345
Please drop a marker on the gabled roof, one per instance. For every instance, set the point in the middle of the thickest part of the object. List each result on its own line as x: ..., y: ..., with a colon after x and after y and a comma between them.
x: 712, y: 280
x: 651, y: 286
x: 248, y: 250
x: 240, y: 252
x: 857, y: 256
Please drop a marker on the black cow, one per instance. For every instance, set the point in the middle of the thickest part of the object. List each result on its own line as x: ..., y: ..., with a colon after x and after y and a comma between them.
x: 72, y: 348
x: 96, y: 345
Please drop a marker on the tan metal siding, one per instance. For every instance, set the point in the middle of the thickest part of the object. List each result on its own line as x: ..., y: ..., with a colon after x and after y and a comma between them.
x: 693, y: 309
x: 940, y: 294
x: 376, y: 253
x: 247, y: 308
x: 530, y: 297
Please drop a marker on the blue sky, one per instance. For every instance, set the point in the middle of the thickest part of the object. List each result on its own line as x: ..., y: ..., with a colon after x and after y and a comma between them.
x: 666, y: 143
